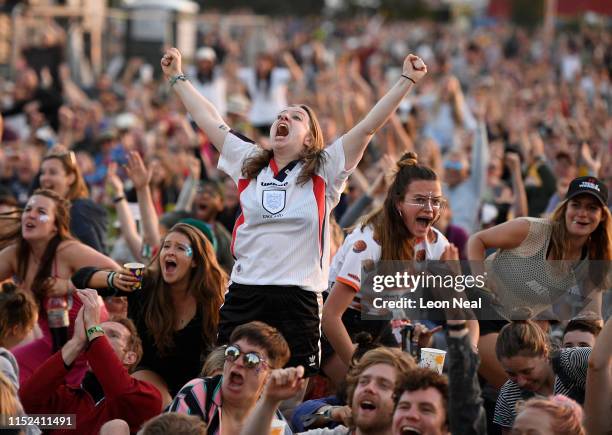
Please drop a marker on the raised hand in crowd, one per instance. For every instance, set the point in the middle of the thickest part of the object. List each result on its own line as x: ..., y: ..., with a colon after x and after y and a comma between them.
x: 281, y: 384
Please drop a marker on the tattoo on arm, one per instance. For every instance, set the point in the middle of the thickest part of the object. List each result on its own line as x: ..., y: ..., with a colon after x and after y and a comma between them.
x: 223, y: 127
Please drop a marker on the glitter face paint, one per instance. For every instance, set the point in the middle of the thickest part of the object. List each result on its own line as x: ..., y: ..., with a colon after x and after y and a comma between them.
x: 43, y: 218
x: 188, y: 250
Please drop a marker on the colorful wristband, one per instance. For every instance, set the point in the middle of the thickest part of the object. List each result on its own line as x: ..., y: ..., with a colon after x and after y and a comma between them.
x: 94, y: 329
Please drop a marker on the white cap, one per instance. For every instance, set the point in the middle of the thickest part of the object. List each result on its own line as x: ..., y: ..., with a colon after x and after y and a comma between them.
x: 206, y: 53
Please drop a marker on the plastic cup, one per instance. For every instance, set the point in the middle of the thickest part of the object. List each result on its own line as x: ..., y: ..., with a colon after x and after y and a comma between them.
x: 432, y: 359
x: 277, y: 427
x: 137, y: 270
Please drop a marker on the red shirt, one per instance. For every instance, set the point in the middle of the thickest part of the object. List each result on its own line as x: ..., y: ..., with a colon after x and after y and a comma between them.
x: 124, y: 396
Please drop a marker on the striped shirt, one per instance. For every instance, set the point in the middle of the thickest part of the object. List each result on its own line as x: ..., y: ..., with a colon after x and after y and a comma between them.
x: 573, y: 363
x: 201, y: 397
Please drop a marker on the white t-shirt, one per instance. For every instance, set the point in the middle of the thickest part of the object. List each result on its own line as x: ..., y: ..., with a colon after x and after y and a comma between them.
x: 266, y: 102
x: 282, y: 235
x: 215, y: 90
x: 360, y: 246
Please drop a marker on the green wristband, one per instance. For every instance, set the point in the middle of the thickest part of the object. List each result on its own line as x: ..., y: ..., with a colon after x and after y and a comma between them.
x: 91, y: 331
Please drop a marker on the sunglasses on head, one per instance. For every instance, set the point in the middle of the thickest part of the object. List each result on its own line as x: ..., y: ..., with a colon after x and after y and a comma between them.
x: 251, y: 360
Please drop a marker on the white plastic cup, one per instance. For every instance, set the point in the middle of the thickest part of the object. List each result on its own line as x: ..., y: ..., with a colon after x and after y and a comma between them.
x: 432, y: 359
x: 277, y: 427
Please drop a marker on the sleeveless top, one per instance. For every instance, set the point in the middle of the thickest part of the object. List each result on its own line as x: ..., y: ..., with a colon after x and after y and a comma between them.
x: 523, y: 279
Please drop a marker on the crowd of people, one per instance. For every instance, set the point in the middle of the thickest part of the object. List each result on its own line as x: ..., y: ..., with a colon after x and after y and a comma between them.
x: 253, y: 195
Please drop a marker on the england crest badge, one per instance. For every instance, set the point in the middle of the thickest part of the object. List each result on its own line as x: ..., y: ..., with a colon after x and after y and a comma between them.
x: 273, y: 201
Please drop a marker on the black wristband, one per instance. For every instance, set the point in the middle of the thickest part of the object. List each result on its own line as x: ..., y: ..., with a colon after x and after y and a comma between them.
x: 409, y: 78
x: 118, y: 199
x: 456, y: 327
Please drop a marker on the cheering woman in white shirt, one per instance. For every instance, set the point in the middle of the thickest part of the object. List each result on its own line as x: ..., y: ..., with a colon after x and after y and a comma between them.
x: 281, y: 239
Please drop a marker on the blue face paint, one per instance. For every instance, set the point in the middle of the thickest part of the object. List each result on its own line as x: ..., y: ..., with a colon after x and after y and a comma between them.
x: 188, y: 250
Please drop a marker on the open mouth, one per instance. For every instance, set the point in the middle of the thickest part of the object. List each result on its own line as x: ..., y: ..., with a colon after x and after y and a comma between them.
x: 170, y: 266
x: 236, y: 379
x: 367, y: 405
x: 30, y: 225
x: 282, y: 130
x: 409, y: 430
x: 424, y: 221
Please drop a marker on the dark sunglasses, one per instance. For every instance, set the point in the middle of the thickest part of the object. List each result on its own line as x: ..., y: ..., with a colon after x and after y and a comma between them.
x: 251, y: 360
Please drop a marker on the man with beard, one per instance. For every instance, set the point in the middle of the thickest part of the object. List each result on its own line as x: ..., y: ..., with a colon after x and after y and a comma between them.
x: 370, y: 387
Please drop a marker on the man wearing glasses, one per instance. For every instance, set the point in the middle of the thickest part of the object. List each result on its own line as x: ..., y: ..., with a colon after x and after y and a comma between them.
x: 226, y: 400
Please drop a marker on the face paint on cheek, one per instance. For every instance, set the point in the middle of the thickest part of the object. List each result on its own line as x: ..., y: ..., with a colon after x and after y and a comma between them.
x: 43, y: 218
x: 188, y: 250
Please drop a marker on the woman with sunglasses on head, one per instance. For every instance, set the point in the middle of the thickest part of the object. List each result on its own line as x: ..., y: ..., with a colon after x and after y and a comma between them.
x: 41, y: 257
x: 225, y: 401
x: 176, y: 310
x: 401, y: 230
x: 286, y: 193
x: 88, y: 221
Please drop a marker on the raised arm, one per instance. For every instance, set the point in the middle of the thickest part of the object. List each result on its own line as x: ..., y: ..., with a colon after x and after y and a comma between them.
x: 128, y: 225
x: 503, y: 236
x: 202, y: 111
x: 141, y: 176
x: 598, y: 395
x: 356, y: 140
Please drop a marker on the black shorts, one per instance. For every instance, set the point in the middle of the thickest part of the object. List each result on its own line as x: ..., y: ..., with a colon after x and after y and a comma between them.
x: 291, y: 310
x: 380, y: 330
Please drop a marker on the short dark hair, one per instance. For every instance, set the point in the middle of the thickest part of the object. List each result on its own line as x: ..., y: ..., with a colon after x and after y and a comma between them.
x: 134, y: 343
x: 266, y: 337
x: 174, y: 423
x: 583, y: 324
x: 422, y: 378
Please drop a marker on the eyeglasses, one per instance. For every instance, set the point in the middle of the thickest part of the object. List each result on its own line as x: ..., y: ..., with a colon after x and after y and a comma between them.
x: 434, y: 203
x: 251, y: 360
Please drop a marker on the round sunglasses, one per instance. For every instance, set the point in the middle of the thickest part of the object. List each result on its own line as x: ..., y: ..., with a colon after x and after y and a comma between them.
x: 251, y: 360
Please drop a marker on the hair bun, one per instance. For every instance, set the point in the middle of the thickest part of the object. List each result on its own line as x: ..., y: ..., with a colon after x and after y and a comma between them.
x: 408, y: 159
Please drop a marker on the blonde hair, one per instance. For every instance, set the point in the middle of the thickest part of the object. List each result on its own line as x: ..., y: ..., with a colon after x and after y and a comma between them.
x: 565, y: 414
x: 9, y: 404
x: 78, y: 189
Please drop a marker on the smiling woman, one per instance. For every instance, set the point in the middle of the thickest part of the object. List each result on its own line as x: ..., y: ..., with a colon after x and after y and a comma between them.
x: 59, y: 172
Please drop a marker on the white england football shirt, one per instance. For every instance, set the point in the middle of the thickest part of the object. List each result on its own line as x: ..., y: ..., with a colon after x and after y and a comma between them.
x: 282, y: 235
x: 360, y: 246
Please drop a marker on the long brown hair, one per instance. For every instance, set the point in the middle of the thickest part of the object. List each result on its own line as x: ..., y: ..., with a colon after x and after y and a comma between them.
x: 42, y: 281
x: 78, y: 189
x: 206, y: 283
x: 390, y: 231
x: 312, y: 155
x: 598, y: 246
